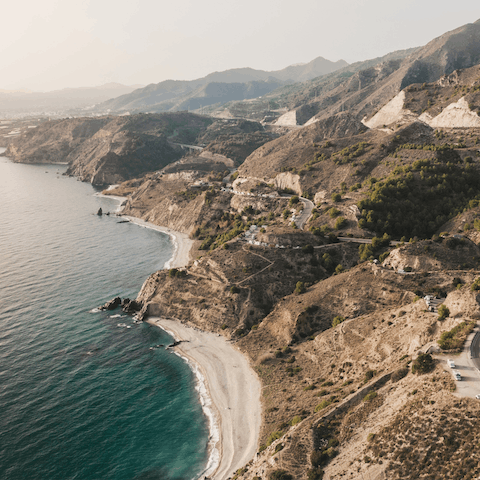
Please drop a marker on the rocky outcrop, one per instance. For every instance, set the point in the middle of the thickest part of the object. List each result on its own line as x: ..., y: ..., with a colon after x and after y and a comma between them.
x: 108, y: 150
x: 111, y: 304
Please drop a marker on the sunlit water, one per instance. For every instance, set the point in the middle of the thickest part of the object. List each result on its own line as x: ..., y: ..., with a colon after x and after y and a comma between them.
x: 82, y: 395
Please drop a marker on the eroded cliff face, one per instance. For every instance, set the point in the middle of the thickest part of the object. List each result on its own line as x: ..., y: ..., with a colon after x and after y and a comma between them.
x: 164, y: 200
x: 53, y: 141
x: 108, y: 150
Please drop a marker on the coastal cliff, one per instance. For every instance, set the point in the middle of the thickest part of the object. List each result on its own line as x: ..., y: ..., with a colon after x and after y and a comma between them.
x: 108, y: 150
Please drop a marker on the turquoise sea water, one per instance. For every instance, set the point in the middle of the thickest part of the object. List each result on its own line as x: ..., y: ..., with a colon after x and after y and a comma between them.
x: 81, y: 395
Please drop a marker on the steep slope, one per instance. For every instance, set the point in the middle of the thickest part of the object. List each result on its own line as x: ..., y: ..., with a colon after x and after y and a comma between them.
x: 363, y: 88
x: 453, y: 101
x: 108, y: 149
x: 172, y: 95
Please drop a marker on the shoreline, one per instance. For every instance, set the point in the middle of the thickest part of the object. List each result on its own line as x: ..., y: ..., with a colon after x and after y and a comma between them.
x: 233, y: 389
x: 182, y: 243
x: 229, y: 390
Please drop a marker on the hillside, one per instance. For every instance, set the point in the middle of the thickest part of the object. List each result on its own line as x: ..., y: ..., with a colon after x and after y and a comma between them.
x: 293, y: 259
x: 363, y: 88
x: 108, y: 150
x: 216, y: 88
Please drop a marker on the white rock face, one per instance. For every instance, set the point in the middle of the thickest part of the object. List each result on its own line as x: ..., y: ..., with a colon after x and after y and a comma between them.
x: 288, y: 180
x: 311, y: 121
x: 393, y: 111
x: 287, y: 119
x: 456, y: 115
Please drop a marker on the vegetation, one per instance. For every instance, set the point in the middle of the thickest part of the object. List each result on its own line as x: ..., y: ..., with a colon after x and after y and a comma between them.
x: 476, y: 285
x: 323, y: 404
x: 455, y: 338
x: 416, y: 200
x: 300, y: 288
x: 399, y: 374
x: 340, y: 223
x: 280, y: 475
x: 443, y: 312
x: 424, y: 363
x: 337, y: 321
x: 370, y: 396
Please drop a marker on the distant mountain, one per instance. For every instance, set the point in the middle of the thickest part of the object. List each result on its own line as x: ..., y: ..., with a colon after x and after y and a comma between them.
x: 364, y: 87
x: 61, y: 101
x: 216, y: 88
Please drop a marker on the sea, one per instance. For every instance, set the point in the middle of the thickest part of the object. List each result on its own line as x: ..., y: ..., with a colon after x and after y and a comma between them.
x: 85, y: 394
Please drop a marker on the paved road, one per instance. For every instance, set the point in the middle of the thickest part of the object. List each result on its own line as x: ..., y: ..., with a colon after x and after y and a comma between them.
x: 306, y: 213
x: 363, y: 240
x: 469, y: 385
x: 475, y: 350
x: 189, y: 147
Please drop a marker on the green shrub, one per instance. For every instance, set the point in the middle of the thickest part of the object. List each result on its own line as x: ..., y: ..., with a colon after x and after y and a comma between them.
x: 280, y: 475
x: 365, y: 251
x: 293, y: 200
x: 274, y: 436
x: 300, y: 288
x: 334, y: 212
x: 454, y: 338
x: 296, y: 419
x: 336, y: 197
x: 234, y: 289
x: 340, y: 223
x: 383, y: 256
x: 443, y: 312
x: 323, y: 404
x: 476, y: 285
x: 337, y: 320
x: 339, y: 269
x: 370, y: 396
x: 278, y: 447
x: 424, y: 363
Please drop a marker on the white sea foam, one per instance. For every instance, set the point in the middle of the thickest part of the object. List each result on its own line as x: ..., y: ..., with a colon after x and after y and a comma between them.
x: 117, y: 316
x: 94, y: 310
x: 208, y: 410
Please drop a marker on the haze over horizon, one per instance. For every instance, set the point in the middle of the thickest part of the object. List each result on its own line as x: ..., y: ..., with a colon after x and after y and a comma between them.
x: 53, y: 45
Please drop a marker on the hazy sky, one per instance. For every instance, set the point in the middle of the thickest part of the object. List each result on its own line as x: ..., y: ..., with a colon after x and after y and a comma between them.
x: 53, y: 44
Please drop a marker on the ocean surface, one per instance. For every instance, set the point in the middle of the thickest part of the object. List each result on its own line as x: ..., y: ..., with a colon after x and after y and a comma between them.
x: 82, y: 394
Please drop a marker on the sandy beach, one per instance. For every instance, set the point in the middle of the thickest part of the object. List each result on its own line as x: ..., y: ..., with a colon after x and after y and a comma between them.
x: 182, y: 244
x: 234, y: 389
x: 232, y: 397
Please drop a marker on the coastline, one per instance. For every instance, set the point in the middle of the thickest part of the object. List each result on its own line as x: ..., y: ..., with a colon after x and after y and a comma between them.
x: 229, y: 389
x: 182, y: 244
x: 234, y: 390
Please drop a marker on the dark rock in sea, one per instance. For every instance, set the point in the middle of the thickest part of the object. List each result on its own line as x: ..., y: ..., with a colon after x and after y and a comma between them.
x: 112, y: 304
x: 131, y: 306
x: 100, y: 212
